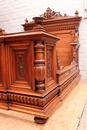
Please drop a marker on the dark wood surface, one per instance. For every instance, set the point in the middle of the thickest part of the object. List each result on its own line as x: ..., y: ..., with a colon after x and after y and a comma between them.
x: 40, y: 65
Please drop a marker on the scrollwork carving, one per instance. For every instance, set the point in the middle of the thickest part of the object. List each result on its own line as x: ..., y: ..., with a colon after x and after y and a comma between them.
x: 49, y: 14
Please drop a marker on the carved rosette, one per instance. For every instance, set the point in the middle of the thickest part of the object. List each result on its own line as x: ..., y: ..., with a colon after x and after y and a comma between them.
x: 39, y: 68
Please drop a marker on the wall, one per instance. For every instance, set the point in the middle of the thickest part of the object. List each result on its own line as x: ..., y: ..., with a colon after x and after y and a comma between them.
x: 83, y: 49
x: 14, y: 12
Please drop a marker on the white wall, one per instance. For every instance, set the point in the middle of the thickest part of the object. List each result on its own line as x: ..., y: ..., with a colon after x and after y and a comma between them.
x: 83, y: 48
x: 14, y: 12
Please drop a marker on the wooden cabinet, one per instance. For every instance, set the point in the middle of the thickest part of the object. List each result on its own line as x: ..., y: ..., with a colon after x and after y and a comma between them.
x: 40, y: 65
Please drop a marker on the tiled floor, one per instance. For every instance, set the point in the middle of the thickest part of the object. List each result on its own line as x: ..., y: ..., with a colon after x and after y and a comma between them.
x: 67, y: 115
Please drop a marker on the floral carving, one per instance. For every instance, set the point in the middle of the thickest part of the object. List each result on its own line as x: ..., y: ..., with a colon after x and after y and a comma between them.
x: 20, y: 66
x: 49, y: 64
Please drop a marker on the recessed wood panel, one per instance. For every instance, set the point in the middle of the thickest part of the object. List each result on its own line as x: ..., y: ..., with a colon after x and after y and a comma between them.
x: 19, y: 66
x: 0, y: 63
x: 2, y: 69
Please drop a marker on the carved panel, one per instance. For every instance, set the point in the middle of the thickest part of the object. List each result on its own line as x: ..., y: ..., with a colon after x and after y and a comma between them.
x: 49, y: 73
x: 20, y: 65
x: 2, y: 68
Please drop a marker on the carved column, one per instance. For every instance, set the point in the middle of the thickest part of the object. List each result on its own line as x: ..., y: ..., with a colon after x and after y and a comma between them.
x: 57, y: 60
x: 75, y: 45
x: 39, y: 68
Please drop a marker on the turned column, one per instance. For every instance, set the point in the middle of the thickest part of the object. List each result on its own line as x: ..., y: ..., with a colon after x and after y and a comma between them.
x: 39, y: 68
x: 75, y: 45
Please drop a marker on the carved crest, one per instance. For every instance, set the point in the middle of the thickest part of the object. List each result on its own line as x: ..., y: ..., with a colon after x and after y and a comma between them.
x: 49, y: 14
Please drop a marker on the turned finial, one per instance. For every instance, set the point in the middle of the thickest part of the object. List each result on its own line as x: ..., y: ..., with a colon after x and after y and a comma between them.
x: 38, y: 21
x: 26, y: 21
x: 76, y: 13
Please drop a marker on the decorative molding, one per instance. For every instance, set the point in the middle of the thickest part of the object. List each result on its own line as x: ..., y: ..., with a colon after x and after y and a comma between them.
x: 3, y: 96
x: 59, y: 28
x: 69, y: 32
x: 34, y: 101
x: 56, y: 21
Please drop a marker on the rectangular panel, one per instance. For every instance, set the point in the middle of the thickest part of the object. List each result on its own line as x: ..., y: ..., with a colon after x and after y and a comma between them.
x: 51, y: 65
x: 20, y: 67
x: 2, y: 68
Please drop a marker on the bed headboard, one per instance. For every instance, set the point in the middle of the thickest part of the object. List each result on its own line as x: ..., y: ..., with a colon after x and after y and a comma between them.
x: 65, y: 27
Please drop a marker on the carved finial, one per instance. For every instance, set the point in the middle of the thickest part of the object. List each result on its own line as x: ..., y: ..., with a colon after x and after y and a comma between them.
x: 38, y: 21
x: 65, y: 15
x: 76, y: 13
x: 26, y: 20
x: 2, y: 31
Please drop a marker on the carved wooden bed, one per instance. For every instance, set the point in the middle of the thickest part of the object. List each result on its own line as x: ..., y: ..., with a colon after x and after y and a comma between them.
x: 38, y: 67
